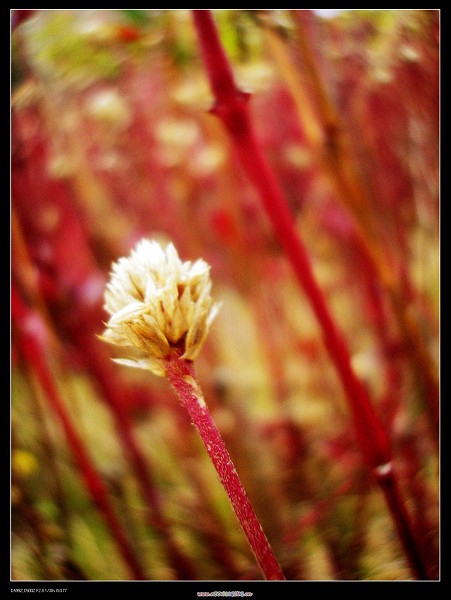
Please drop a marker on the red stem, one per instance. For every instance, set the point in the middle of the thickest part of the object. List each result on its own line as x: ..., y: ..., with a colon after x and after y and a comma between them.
x: 231, y: 107
x: 233, y: 111
x: 389, y: 485
x: 183, y: 380
x: 34, y: 354
x: 141, y: 465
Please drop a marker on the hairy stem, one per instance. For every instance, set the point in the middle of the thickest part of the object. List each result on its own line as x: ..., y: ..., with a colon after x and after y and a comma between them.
x: 183, y: 380
x: 141, y: 465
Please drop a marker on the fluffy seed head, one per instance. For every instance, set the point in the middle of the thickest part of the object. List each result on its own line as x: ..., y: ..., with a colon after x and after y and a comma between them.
x: 159, y: 306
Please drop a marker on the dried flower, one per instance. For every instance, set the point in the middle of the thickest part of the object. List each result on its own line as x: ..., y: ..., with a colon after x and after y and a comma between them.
x: 159, y: 305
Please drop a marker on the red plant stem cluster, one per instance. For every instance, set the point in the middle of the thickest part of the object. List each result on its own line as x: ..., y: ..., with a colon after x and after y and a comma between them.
x: 354, y: 196
x: 183, y: 380
x: 80, y: 318
x: 231, y: 107
x: 33, y: 351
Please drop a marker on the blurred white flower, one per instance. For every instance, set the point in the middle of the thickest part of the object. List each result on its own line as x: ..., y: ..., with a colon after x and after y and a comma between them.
x: 330, y: 13
x: 109, y: 108
x: 159, y: 305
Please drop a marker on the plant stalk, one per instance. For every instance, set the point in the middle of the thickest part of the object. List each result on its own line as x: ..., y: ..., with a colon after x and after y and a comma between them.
x: 183, y: 380
x: 141, y: 465
x: 388, y: 483
x: 33, y: 352
x: 231, y: 107
x: 353, y: 195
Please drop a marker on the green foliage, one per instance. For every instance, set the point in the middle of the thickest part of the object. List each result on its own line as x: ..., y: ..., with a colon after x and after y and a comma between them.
x: 137, y: 17
x: 64, y: 50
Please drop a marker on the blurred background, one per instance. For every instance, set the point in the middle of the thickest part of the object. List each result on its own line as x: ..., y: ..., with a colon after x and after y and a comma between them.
x: 112, y: 141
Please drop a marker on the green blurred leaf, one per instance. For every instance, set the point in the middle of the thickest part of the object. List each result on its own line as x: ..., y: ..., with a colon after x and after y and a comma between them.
x: 136, y: 17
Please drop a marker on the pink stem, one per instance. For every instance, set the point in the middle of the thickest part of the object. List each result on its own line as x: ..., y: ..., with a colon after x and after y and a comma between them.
x: 33, y: 352
x: 183, y: 380
x: 231, y: 107
x: 142, y: 467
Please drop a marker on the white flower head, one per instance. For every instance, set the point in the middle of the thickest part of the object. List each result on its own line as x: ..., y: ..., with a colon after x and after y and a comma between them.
x: 159, y: 305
